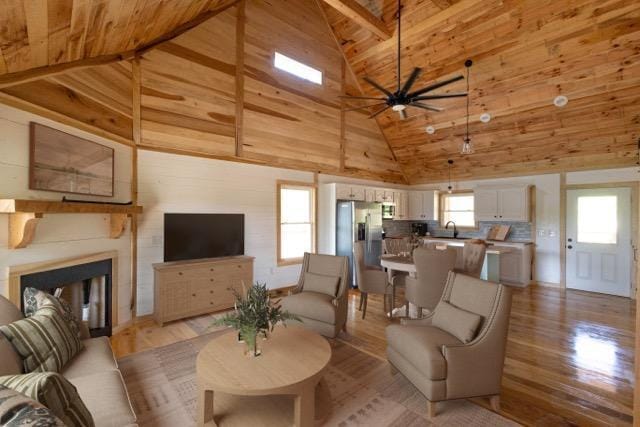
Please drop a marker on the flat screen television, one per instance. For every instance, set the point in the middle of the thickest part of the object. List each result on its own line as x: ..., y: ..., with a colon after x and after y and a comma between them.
x: 195, y: 236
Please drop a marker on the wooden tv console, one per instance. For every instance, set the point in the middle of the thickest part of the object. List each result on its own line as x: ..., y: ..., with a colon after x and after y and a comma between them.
x: 189, y: 288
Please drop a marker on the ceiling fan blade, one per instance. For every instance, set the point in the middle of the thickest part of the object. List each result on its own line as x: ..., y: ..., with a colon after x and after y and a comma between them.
x: 403, y: 114
x: 426, y: 106
x: 379, y: 111
x: 364, y: 106
x: 410, y: 81
x: 377, y: 86
x: 434, y: 86
x: 442, y: 96
x: 361, y: 97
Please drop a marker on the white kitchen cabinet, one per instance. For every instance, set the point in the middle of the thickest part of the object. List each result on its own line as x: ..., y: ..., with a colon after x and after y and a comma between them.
x: 383, y: 196
x: 350, y: 192
x: 501, y: 204
x: 369, y: 194
x: 423, y: 205
x: 401, y: 200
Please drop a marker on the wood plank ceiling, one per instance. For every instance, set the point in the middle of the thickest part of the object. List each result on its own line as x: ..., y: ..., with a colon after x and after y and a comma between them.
x: 525, y: 53
x: 41, y: 33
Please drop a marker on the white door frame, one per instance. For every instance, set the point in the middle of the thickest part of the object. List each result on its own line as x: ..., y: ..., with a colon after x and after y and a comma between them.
x: 635, y: 226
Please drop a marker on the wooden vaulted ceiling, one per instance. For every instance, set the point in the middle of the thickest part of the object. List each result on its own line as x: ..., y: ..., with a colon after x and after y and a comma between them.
x: 200, y: 94
x: 44, y: 33
x: 525, y: 53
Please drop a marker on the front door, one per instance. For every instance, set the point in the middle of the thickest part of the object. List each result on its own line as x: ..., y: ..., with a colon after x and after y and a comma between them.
x: 599, y: 240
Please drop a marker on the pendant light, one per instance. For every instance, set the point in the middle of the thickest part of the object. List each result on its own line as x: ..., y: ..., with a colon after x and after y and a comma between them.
x: 449, y: 188
x: 467, y: 147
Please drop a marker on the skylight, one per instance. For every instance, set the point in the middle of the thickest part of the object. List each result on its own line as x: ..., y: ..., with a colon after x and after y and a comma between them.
x: 298, y: 69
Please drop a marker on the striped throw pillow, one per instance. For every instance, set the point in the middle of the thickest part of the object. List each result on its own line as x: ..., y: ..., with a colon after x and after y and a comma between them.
x: 44, y: 341
x: 35, y: 299
x: 55, y: 392
x: 17, y: 410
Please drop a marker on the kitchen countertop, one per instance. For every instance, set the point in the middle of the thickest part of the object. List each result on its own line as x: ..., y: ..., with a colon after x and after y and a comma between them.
x: 491, y: 242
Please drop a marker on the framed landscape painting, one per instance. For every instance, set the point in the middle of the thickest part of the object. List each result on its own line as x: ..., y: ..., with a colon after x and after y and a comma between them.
x: 69, y: 164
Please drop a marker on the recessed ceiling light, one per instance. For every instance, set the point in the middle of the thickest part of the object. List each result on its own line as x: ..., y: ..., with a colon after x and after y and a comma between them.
x: 560, y: 101
x: 485, y: 117
x: 430, y: 130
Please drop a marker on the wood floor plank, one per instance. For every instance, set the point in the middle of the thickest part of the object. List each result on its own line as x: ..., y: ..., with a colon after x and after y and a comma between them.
x: 569, y: 360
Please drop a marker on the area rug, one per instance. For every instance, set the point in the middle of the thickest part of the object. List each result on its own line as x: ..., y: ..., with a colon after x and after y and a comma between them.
x: 364, y: 391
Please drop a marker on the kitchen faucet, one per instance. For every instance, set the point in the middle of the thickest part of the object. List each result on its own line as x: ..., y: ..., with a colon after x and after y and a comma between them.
x: 455, y: 230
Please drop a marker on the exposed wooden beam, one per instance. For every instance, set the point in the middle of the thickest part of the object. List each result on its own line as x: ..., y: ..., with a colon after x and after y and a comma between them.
x: 37, y: 73
x: 136, y: 113
x: 240, y: 21
x: 362, y: 16
x: 343, y: 139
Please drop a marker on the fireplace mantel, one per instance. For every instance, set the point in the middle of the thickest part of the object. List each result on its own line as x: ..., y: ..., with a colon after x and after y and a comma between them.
x: 24, y: 216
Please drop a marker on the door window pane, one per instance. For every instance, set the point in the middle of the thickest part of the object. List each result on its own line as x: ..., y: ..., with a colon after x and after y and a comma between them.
x: 598, y: 219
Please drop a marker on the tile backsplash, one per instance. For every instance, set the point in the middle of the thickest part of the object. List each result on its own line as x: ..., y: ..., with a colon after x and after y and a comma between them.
x: 520, y: 231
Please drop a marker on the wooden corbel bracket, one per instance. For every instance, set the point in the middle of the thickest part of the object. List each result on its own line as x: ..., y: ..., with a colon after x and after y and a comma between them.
x: 22, y: 228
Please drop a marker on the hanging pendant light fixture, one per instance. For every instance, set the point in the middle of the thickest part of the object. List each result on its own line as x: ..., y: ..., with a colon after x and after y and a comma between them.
x: 467, y: 147
x: 449, y: 187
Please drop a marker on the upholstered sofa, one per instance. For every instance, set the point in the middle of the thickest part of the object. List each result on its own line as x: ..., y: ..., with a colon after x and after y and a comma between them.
x: 94, y: 372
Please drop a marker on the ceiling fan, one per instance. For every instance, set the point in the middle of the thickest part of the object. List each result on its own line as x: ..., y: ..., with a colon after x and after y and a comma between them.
x: 401, y: 98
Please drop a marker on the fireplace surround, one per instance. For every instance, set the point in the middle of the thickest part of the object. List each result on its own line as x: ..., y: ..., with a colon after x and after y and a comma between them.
x: 89, y: 284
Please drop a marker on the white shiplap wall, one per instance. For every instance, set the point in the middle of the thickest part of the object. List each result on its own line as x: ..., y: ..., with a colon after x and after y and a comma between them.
x: 169, y: 183
x: 62, y: 235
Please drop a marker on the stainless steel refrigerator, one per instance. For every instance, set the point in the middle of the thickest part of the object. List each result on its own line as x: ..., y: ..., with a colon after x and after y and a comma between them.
x: 359, y: 221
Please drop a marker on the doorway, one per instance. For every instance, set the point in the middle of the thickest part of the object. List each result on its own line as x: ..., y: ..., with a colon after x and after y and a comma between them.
x: 599, y: 240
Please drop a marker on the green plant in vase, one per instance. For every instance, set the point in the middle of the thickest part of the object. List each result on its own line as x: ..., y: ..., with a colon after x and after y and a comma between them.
x: 255, y: 314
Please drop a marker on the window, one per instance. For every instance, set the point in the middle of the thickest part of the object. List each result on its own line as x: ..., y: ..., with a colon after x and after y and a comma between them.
x: 598, y: 219
x: 458, y: 207
x: 296, y: 68
x: 296, y: 221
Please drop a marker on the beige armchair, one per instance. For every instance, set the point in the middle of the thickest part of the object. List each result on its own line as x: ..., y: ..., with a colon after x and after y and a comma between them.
x: 370, y: 280
x: 448, y: 356
x: 432, y: 268
x: 321, y: 297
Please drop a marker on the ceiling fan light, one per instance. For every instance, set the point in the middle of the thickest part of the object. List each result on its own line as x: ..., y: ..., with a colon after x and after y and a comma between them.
x: 430, y: 130
x: 467, y: 147
x: 399, y: 107
x: 560, y: 101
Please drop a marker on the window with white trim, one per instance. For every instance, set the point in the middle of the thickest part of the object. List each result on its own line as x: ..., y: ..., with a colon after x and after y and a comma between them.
x: 296, y: 221
x: 458, y: 207
x: 298, y: 69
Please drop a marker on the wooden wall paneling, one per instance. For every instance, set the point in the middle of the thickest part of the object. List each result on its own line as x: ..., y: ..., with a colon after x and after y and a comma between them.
x: 285, y: 116
x: 189, y: 90
x: 239, y: 122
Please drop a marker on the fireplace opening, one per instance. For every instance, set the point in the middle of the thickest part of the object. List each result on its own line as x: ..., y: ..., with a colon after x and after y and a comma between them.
x: 86, y: 287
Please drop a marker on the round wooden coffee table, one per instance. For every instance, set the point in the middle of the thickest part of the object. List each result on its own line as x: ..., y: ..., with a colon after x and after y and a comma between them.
x: 292, y: 363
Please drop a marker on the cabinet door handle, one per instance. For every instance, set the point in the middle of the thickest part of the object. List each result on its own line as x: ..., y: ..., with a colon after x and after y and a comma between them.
x: 193, y: 295
x: 180, y: 273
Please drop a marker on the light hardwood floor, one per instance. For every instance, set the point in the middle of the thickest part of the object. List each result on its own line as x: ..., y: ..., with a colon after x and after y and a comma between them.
x: 569, y: 356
